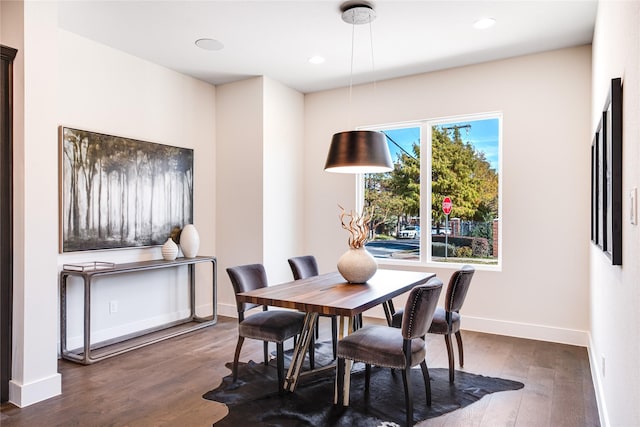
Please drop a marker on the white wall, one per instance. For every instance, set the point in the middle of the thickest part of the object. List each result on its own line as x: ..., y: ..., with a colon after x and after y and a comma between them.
x: 34, y: 356
x: 259, y: 179
x: 541, y: 291
x: 615, y: 291
x: 240, y: 181
x: 283, y: 218
x: 75, y: 82
x: 107, y: 91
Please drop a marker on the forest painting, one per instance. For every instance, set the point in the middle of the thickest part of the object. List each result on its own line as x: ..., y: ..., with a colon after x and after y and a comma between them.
x: 119, y: 192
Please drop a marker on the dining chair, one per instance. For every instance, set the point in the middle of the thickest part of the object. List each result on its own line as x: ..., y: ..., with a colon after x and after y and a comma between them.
x: 394, y: 348
x: 306, y: 266
x: 268, y: 326
x: 446, y: 320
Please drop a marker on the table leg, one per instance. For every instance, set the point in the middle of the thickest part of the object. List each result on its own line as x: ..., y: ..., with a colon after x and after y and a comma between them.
x: 87, y: 321
x: 346, y: 383
x: 63, y: 313
x: 387, y: 312
x: 192, y: 291
x: 300, y: 350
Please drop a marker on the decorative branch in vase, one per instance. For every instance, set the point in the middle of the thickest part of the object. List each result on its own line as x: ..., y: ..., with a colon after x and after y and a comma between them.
x: 357, y: 226
x: 357, y: 265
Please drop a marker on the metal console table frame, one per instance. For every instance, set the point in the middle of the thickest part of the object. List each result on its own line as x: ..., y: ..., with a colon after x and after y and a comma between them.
x: 83, y: 355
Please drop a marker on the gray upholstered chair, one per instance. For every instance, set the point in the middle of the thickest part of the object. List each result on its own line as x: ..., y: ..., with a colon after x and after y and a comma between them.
x: 306, y: 266
x: 268, y: 326
x: 446, y: 320
x: 394, y: 348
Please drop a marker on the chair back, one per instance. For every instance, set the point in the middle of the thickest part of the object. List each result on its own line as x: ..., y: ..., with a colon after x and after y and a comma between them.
x: 303, y: 266
x: 458, y: 287
x: 246, y: 278
x: 419, y: 309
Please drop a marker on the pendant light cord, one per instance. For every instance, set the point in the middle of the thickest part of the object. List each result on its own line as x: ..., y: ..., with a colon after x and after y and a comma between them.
x: 353, y: 36
x: 373, y: 63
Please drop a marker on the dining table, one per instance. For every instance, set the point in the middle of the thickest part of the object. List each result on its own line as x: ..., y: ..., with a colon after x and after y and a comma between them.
x: 331, y: 294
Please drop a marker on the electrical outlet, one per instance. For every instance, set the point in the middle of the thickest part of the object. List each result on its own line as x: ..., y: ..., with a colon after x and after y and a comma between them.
x: 603, y: 367
x: 113, y: 307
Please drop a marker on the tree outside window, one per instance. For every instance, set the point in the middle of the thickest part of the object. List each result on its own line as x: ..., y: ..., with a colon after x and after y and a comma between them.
x: 462, y: 162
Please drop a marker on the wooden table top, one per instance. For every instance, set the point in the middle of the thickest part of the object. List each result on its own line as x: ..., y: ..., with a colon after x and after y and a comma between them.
x: 331, y: 294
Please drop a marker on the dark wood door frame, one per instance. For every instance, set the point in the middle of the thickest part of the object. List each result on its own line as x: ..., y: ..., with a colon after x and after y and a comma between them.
x: 6, y: 218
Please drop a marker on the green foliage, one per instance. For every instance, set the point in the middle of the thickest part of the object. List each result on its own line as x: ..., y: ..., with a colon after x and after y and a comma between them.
x: 458, y: 171
x: 437, y: 249
x: 463, y: 174
x: 480, y: 248
x: 464, y: 252
x: 396, y: 194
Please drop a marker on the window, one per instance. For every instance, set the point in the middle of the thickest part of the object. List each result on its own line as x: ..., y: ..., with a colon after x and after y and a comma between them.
x: 461, y: 161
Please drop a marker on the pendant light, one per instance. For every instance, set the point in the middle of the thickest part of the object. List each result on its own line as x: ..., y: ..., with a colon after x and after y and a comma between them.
x: 358, y: 151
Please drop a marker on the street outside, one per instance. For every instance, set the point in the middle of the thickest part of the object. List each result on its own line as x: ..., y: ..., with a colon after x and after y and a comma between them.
x: 406, y: 248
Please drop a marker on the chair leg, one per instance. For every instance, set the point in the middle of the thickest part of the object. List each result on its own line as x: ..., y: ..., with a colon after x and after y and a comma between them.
x: 460, y: 351
x: 236, y: 357
x: 317, y: 330
x: 447, y: 340
x: 367, y: 378
x: 340, y: 382
x: 406, y: 379
x: 334, y: 334
x: 280, y: 364
x: 265, y: 350
x: 427, y: 381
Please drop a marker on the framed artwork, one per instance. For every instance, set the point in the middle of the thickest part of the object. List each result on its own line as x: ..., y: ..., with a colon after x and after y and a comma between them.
x: 606, y: 181
x: 612, y: 207
x: 119, y: 192
x: 600, y: 218
x: 594, y: 190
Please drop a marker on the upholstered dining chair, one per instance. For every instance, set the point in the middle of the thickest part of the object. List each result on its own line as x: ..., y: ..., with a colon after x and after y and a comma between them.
x: 306, y: 266
x: 446, y: 320
x: 268, y: 326
x: 392, y: 347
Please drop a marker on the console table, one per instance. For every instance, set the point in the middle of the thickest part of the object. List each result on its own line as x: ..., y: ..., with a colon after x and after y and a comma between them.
x: 149, y: 336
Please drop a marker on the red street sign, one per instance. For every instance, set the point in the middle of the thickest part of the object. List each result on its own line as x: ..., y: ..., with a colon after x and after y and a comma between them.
x: 446, y: 205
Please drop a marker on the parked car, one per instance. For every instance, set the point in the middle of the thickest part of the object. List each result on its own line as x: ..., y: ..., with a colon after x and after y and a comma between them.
x: 441, y: 232
x: 409, y: 232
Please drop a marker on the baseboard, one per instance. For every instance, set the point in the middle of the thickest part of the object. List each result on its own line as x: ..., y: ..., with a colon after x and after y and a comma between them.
x: 598, y: 384
x: 228, y: 310
x: 490, y: 326
x: 124, y: 329
x: 23, y: 395
x: 526, y: 330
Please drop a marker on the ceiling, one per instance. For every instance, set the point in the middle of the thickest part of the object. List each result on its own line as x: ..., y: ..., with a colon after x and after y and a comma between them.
x: 276, y: 38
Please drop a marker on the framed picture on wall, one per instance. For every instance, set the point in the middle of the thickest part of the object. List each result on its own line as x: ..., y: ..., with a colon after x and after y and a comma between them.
x: 600, y: 218
x: 612, y: 162
x: 594, y: 191
x: 605, y: 159
x: 119, y: 192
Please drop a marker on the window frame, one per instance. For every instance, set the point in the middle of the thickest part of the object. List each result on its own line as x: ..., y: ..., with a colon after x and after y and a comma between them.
x: 425, y: 126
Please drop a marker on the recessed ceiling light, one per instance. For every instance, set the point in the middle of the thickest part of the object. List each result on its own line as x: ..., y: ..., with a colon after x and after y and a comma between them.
x: 483, y: 24
x: 316, y: 59
x: 209, y: 44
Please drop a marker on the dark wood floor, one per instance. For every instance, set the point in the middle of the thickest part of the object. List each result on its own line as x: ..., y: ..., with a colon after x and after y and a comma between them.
x: 163, y: 384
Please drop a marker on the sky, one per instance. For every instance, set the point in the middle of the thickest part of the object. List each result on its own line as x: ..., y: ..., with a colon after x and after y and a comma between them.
x: 483, y: 135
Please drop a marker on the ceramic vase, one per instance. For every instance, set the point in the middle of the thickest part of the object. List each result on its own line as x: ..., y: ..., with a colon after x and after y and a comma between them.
x: 357, y: 265
x: 189, y: 241
x: 169, y: 250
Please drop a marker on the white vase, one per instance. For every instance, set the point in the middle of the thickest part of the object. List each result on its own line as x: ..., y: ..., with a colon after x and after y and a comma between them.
x: 189, y: 241
x: 357, y: 265
x: 169, y: 250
